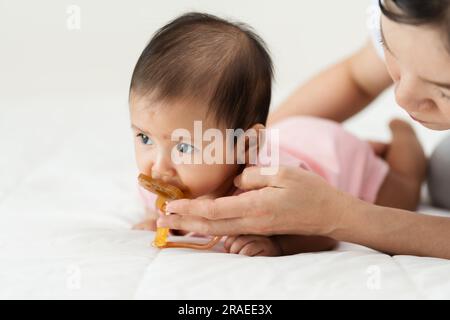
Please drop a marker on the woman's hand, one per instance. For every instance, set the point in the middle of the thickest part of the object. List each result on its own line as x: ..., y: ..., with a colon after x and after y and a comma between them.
x: 293, y: 201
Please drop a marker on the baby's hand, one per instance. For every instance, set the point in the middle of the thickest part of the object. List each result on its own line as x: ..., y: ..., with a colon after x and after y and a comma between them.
x: 149, y: 222
x: 253, y: 246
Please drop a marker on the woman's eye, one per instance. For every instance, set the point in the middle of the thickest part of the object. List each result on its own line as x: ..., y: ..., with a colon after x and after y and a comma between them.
x: 185, y: 148
x: 145, y: 139
x: 445, y: 96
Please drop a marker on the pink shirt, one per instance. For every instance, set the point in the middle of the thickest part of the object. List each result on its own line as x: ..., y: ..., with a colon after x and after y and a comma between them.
x: 326, y: 148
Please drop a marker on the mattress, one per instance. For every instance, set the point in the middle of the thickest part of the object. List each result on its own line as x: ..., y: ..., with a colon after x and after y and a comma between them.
x: 68, y: 200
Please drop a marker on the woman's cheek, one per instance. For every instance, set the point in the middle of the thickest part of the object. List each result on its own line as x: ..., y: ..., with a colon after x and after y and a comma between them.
x: 447, y: 112
x: 392, y: 67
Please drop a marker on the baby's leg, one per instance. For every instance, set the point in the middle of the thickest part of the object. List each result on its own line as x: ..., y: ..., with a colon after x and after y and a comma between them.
x: 439, y: 175
x: 408, y: 166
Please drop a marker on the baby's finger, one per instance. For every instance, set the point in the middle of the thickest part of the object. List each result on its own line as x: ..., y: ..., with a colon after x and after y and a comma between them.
x: 252, y: 249
x: 228, y: 242
x: 239, y: 243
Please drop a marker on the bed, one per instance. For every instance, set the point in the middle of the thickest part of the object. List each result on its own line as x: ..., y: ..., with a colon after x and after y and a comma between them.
x: 68, y: 200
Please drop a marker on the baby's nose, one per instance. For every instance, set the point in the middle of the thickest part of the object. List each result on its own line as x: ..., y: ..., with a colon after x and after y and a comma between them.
x: 163, y: 170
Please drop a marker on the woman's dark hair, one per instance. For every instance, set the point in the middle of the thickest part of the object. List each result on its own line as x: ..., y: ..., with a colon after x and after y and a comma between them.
x: 419, y: 12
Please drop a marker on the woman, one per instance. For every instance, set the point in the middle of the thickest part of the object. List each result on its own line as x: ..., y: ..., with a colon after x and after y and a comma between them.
x: 413, y: 41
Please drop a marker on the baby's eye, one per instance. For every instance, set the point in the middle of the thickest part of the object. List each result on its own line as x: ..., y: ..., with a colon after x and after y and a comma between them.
x: 185, y: 148
x: 145, y: 139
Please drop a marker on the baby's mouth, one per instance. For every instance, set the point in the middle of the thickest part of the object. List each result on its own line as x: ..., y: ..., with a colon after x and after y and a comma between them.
x: 181, y: 187
x: 175, y: 183
x: 163, y: 189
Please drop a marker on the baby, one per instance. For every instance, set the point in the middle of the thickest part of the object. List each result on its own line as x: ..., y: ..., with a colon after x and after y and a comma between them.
x: 203, y: 69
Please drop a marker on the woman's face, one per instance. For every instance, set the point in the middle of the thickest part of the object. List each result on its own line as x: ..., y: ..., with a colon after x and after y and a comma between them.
x: 418, y: 61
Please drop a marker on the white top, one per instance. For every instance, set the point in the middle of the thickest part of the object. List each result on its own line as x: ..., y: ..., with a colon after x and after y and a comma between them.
x: 374, y: 25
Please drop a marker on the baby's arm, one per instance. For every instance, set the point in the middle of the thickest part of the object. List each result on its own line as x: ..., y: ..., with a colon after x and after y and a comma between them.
x: 251, y: 245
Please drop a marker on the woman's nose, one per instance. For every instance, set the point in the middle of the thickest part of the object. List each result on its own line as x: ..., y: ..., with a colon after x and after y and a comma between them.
x: 410, y: 94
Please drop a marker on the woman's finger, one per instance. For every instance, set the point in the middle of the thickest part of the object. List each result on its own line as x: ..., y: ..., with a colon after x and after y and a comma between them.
x: 217, y: 209
x: 226, y: 227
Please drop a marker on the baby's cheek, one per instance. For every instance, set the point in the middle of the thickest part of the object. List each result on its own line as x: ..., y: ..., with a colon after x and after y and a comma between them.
x: 138, y: 157
x: 201, y: 184
x: 144, y: 161
x: 143, y: 166
x: 202, y: 180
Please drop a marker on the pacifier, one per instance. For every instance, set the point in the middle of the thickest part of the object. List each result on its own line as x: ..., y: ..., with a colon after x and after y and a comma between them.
x: 166, y: 193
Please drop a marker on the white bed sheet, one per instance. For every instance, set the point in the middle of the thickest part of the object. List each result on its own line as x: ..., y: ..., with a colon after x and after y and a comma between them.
x: 68, y: 201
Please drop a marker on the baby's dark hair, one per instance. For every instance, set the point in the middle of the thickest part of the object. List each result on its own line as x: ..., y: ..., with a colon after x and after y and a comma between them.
x: 419, y: 12
x: 201, y: 56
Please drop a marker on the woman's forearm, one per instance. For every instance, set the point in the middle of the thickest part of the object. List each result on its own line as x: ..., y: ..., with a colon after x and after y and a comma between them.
x: 395, y: 231
x: 340, y: 91
x: 331, y: 95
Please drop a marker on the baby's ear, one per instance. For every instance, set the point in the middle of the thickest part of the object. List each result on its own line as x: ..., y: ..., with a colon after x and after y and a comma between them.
x: 254, y: 141
x: 260, y: 130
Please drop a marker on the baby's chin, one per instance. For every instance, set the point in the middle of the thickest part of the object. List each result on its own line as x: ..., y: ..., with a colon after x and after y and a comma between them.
x: 214, y: 191
x: 213, y: 195
x: 224, y: 190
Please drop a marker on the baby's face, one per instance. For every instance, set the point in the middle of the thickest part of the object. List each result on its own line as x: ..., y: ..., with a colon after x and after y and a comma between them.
x: 153, y: 124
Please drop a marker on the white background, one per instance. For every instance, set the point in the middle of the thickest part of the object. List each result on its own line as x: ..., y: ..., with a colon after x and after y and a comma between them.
x: 42, y: 60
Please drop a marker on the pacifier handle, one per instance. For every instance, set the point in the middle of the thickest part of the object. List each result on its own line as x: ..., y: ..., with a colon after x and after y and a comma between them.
x: 196, y: 246
x: 166, y: 193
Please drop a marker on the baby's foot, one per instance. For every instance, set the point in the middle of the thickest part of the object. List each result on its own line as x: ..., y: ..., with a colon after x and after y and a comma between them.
x: 405, y: 154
